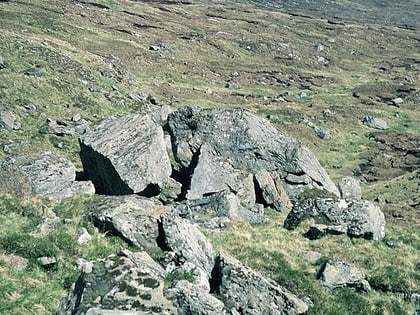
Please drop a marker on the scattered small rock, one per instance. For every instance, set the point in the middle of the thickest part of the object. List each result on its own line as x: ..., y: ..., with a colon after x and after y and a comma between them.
x: 32, y: 73
x: 156, y: 47
x: 2, y: 65
x: 375, y: 123
x: 322, y: 133
x: 338, y: 274
x: 47, y: 262
x: 84, y: 237
x: 394, y: 243
x: 397, y: 101
x: 231, y: 85
x: 8, y: 121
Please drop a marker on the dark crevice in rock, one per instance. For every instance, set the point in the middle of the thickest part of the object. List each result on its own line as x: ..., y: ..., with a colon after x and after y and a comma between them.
x: 215, y: 280
x: 152, y: 190
x: 107, y: 181
x: 259, y: 197
x: 161, y: 238
x: 81, y: 176
x: 185, y: 174
x: 78, y: 292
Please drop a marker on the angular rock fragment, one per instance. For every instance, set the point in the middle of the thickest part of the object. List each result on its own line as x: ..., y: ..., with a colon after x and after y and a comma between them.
x: 246, y: 291
x: 336, y: 274
x: 133, y: 218
x: 119, y: 284
x: 224, y: 204
x: 272, y: 191
x: 43, y: 174
x: 357, y: 218
x: 375, y: 123
x: 185, y: 242
x: 349, y: 188
x: 8, y: 120
x: 126, y: 155
x: 190, y: 300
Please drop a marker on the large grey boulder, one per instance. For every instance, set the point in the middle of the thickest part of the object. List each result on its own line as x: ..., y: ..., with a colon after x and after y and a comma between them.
x: 191, y: 300
x: 132, y: 217
x: 130, y: 283
x: 185, y: 242
x: 239, y: 142
x: 245, y: 291
x: 357, y: 218
x: 337, y: 274
x: 43, y: 174
x: 126, y: 155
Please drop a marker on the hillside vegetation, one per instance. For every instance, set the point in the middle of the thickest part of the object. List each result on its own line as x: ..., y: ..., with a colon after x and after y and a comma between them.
x: 93, y: 59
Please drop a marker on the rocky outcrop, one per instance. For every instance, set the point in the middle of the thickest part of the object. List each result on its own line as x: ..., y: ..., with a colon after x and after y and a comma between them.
x: 193, y: 279
x: 230, y: 161
x: 248, y: 292
x: 357, y: 218
x: 235, y: 143
x: 134, y: 218
x: 337, y: 274
x: 125, y: 155
x: 130, y: 283
x: 44, y: 174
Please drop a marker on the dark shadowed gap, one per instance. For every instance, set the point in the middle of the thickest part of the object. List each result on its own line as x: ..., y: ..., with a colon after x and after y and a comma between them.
x: 215, y: 280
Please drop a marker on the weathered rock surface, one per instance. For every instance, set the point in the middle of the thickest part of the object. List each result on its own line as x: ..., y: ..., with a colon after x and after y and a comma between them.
x: 43, y: 174
x: 133, y: 218
x: 248, y: 292
x: 243, y: 141
x: 185, y: 242
x: 349, y: 188
x: 357, y: 218
x: 2, y: 65
x: 125, y: 155
x: 223, y: 204
x: 190, y: 300
x: 242, y: 160
x: 131, y: 283
x: 375, y: 123
x: 8, y: 120
x: 65, y: 127
x: 336, y: 274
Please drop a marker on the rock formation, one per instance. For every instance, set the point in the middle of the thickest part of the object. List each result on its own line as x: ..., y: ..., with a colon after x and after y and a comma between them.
x: 126, y: 155
x: 163, y: 174
x: 228, y: 160
x: 357, y: 218
x: 44, y: 174
x: 336, y: 274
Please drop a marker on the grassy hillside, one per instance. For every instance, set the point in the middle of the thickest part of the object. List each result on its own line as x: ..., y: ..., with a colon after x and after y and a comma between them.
x: 101, y: 58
